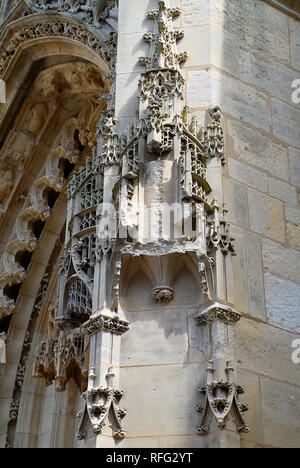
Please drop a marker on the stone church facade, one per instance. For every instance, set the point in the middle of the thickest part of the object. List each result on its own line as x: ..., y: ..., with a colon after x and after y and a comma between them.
x: 149, y: 224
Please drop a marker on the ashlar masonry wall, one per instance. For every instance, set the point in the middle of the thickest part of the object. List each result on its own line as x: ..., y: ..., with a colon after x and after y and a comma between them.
x: 243, y: 56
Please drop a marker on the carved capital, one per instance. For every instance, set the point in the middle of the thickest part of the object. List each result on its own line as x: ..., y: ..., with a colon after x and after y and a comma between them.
x: 218, y: 311
x: 106, y: 323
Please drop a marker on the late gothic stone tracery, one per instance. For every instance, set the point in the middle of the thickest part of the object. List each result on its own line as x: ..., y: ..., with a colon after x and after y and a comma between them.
x: 127, y: 172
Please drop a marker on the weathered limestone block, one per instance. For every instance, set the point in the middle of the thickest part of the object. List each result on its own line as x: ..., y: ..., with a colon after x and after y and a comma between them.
x: 253, y: 148
x: 283, y: 302
x: 294, y: 156
x: 281, y: 413
x: 130, y: 48
x: 294, y: 43
x: 206, y: 88
x: 218, y: 48
x: 236, y: 196
x: 240, y: 289
x: 255, y: 23
x: 126, y: 102
x: 266, y: 349
x: 266, y: 216
x: 164, y: 405
x: 292, y: 216
x: 196, y: 12
x: 155, y: 337
x: 286, y: 122
x: 266, y: 73
x: 247, y: 175
x: 281, y: 261
x: 255, y: 276
x: 282, y: 191
x: 252, y: 398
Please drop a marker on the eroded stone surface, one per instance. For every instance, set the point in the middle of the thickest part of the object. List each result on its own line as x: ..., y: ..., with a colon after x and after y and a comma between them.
x: 286, y: 122
x: 266, y: 349
x: 255, y: 149
x: 207, y: 88
x: 280, y: 410
x: 261, y: 27
x: 266, y: 216
x: 294, y: 157
x: 281, y: 261
x: 283, y: 302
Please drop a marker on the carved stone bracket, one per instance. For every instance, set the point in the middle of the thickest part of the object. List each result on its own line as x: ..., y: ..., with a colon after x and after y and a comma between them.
x: 221, y: 399
x: 218, y: 311
x: 104, y: 322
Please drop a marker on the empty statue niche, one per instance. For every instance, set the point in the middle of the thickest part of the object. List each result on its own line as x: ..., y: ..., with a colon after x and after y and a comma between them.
x: 77, y: 141
x: 168, y: 280
x: 37, y: 226
x: 66, y: 168
x: 12, y: 291
x: 50, y: 195
x: 23, y: 258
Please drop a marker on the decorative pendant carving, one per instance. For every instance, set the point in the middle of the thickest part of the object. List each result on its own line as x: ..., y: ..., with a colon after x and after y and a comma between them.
x: 163, y: 294
x: 103, y: 407
x: 221, y: 399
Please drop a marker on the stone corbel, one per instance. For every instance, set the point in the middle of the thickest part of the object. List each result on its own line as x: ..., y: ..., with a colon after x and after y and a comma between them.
x: 105, y: 322
x: 218, y: 311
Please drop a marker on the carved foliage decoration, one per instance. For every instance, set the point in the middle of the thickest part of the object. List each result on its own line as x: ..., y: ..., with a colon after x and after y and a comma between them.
x: 47, y: 29
x: 162, y: 84
x: 84, y: 9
